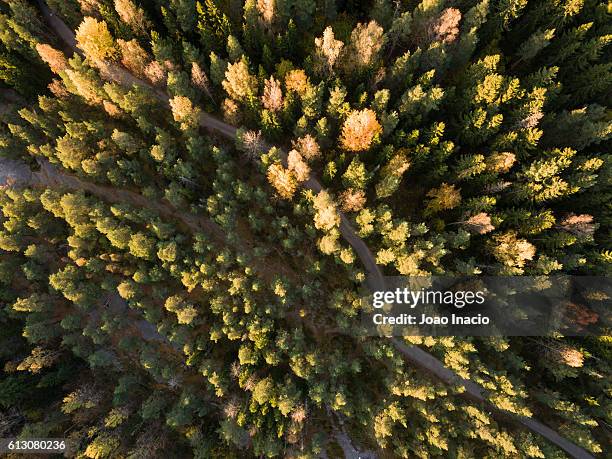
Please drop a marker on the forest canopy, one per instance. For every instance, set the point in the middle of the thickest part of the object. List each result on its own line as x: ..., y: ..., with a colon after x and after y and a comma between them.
x: 193, y: 193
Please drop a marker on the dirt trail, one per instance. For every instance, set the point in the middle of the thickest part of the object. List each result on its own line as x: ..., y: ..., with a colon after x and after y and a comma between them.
x: 17, y: 172
x: 50, y: 177
x: 376, y: 280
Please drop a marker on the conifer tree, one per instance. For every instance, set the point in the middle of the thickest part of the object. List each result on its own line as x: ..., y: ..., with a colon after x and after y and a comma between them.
x: 239, y: 84
x: 95, y: 40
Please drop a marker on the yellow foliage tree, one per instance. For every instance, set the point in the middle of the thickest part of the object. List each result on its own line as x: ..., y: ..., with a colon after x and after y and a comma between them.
x: 308, y: 147
x: 327, y: 216
x: 366, y: 42
x: 239, y: 84
x: 511, y: 251
x: 95, y: 40
x: 184, y: 112
x: 283, y: 180
x: 296, y: 81
x: 359, y: 130
x: 272, y: 97
x: 328, y: 50
x: 444, y: 197
x: 298, y: 166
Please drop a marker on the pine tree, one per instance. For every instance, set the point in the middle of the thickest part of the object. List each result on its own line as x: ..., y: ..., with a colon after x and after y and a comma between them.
x: 444, y: 197
x: 133, y: 16
x: 94, y: 38
x: 239, y: 84
x: 213, y: 25
x: 391, y: 175
x: 328, y: 51
x: 283, y: 180
x: 272, y: 97
x: 367, y: 40
x: 513, y: 253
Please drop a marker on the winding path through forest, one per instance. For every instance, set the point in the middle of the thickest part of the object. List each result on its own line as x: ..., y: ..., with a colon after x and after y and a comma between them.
x: 49, y: 176
x: 15, y: 172
x: 376, y: 281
